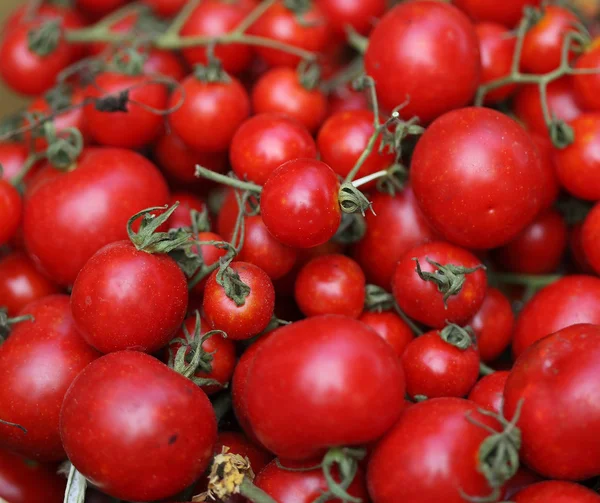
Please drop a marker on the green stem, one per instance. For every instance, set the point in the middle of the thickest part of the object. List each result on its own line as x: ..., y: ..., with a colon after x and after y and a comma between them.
x: 253, y: 493
x: 485, y: 370
x: 227, y: 180
x: 416, y: 330
x: 76, y: 487
x: 251, y: 18
x: 369, y: 178
x: 27, y: 165
x: 529, y: 280
x: 365, y: 154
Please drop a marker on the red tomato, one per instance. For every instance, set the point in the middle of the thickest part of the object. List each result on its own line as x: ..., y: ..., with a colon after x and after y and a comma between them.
x: 570, y: 300
x: 299, y: 203
x: 25, y: 71
x: 589, y: 238
x: 556, y: 491
x: 38, y: 363
x: 165, y: 63
x: 408, y: 58
x: 395, y: 226
x: 181, y: 217
x: 331, y: 284
x: 466, y: 207
x: 361, y: 15
x: 264, y: 142
x: 125, y: 298
x: 21, y: 283
x: 23, y: 481
x: 422, y: 300
x: 578, y: 164
x: 561, y: 103
x: 493, y: 325
x: 537, y: 249
x: 507, y: 13
x: 315, y: 368
x: 489, y: 391
x: 308, y: 30
x: 246, y: 320
x: 497, y: 47
x: 434, y: 450
x: 163, y: 440
x: 99, y: 8
x: 211, y: 19
x: 210, y: 114
x: 11, y: 208
x: 345, y: 98
x: 87, y: 208
x: 165, y: 8
x: 553, y: 380
x: 302, y: 486
x: 577, y: 253
x: 522, y: 479
x: 280, y: 91
x: 550, y: 179
x: 390, y: 327
x: 12, y: 158
x: 586, y: 86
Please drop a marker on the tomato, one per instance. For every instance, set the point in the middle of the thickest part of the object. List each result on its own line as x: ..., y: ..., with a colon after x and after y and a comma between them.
x: 493, y: 325
x: 163, y: 441
x: 361, y: 15
x: 165, y: 8
x: 555, y: 420
x: 168, y: 64
x: 497, y: 47
x: 447, y: 176
x: 23, y: 481
x: 228, y: 212
x: 302, y: 486
x: 435, y: 367
x: 549, y: 179
x: 315, y: 368
x: 331, y: 284
x: 127, y: 298
x: 522, y: 479
x: 409, y: 59
x: 589, y: 236
x: 21, y: 283
x: 210, y: 114
x: 395, y: 226
x: 308, y: 30
x: 266, y: 141
x: 570, y: 300
x: 221, y: 363
x: 299, y: 203
x: 578, y: 164
x: 280, y: 91
x: 556, y: 491
x: 248, y: 319
x: 345, y: 98
x: 11, y: 209
x: 211, y: 19
x: 538, y: 248
x: 12, y: 157
x: 210, y: 255
x: 489, y: 391
x: 181, y: 217
x: 561, y: 103
x: 87, y: 208
x: 508, y: 13
x: 390, y: 327
x: 427, y: 433
x: 99, y: 8
x: 586, y: 86
x: 422, y: 300
x: 577, y: 253
x: 38, y: 363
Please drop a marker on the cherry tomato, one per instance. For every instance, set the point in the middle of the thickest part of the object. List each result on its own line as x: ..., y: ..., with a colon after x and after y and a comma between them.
x: 125, y: 298
x: 24, y: 481
x: 38, y: 363
x: 427, y: 433
x: 589, y: 236
x: 390, y: 327
x: 163, y: 441
x: 11, y: 209
x: 497, y: 48
x: 25, y: 71
x: 266, y: 141
x: 464, y: 206
x: 12, y: 158
x: 210, y: 114
x: 87, y: 208
x: 308, y: 30
x: 315, y: 368
x: 489, y: 391
x: 248, y: 319
x: 165, y: 8
x: 159, y: 62
x: 280, y: 91
x: 345, y: 98
x: 493, y: 325
x: 556, y: 419
x: 21, y: 283
x: 361, y: 15
x: 586, y: 86
x: 422, y: 300
x: 556, y: 491
x: 577, y: 253
x: 299, y: 203
x: 181, y: 217
x: 99, y: 8
x: 507, y: 13
x: 570, y: 300
x: 331, y: 284
x: 409, y: 60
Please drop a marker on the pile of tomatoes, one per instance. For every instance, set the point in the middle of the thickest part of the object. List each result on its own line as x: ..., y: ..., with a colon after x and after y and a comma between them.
x: 300, y: 251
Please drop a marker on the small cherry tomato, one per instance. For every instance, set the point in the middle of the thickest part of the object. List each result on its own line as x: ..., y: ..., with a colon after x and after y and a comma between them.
x: 489, y: 391
x: 576, y: 250
x: 11, y: 208
x: 299, y: 203
x: 451, y: 286
x: 99, y: 8
x: 361, y: 15
x: 165, y: 63
x: 507, y: 13
x: 556, y: 491
x: 390, y: 327
x: 331, y: 284
x: 345, y: 98
x: 586, y: 86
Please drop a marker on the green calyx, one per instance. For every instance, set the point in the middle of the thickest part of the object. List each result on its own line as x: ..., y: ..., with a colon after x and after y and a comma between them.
x: 231, y: 282
x: 6, y: 323
x: 64, y: 147
x: 44, y: 40
x: 129, y: 61
x: 352, y: 200
x: 561, y: 134
x: 352, y: 228
x: 213, y: 70
x: 309, y: 74
x: 346, y: 460
x: 377, y: 299
x: 148, y: 239
x: 459, y: 337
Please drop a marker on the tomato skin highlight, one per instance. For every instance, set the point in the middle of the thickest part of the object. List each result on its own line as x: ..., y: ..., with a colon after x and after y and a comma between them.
x: 164, y: 457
